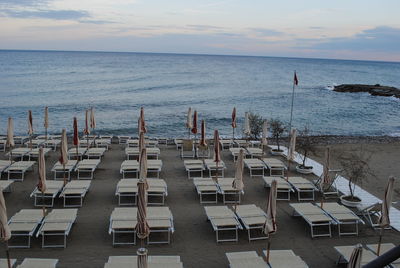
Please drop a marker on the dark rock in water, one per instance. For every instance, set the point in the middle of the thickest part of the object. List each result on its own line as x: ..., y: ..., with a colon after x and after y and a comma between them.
x: 374, y: 90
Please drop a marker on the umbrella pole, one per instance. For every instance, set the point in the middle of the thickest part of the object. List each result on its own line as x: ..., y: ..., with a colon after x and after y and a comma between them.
x: 45, y: 133
x: 30, y: 141
x: 43, y: 205
x: 8, y: 255
x: 77, y: 153
x: 233, y: 134
x: 65, y: 181
x: 87, y: 140
x: 268, y: 248
x: 287, y: 173
x: 216, y: 174
x: 378, y: 251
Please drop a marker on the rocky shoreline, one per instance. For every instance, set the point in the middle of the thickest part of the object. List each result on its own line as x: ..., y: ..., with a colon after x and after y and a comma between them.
x: 337, y: 139
x: 374, y: 90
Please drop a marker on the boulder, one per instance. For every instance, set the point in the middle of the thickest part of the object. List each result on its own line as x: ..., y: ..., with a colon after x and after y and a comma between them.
x: 374, y: 90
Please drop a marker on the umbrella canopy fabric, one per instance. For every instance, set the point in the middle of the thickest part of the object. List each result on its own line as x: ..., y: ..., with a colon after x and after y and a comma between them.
x: 292, y: 146
x: 246, y: 130
x: 355, y: 258
x: 203, y: 134
x: 264, y: 136
x: 142, y: 144
x: 326, y: 179
x: 270, y: 222
x: 142, y: 258
x: 233, y: 124
x: 238, y: 181
x: 5, y: 232
x: 10, y: 133
x: 217, y: 148
x: 189, y: 119
x: 384, y: 220
x: 46, y: 117
x: 142, y: 122
x: 142, y: 227
x: 92, y: 119
x: 30, y: 123
x: 63, y: 148
x: 76, y: 133
x: 86, y: 131
x: 194, y: 125
x: 42, y: 171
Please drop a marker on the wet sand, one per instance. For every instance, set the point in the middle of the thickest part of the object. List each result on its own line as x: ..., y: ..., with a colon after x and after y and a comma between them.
x: 89, y: 243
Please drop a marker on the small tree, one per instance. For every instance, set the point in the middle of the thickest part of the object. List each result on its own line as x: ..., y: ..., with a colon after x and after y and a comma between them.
x: 355, y: 168
x: 305, y: 144
x: 277, y: 130
x: 256, y: 122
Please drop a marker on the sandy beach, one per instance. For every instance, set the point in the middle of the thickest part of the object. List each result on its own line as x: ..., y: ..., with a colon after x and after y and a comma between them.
x: 90, y: 245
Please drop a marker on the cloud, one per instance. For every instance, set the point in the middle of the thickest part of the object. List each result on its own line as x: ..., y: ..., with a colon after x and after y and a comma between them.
x: 99, y: 22
x: 382, y: 38
x: 22, y: 3
x: 266, y: 32
x: 47, y: 14
x: 204, y: 27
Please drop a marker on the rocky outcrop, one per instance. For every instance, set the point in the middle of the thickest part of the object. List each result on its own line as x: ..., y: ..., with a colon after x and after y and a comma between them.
x: 374, y: 90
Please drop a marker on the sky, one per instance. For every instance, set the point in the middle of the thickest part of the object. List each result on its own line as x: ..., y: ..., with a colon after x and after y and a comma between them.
x: 339, y: 29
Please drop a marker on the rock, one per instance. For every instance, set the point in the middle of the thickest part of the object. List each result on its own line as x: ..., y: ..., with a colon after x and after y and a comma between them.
x: 374, y: 90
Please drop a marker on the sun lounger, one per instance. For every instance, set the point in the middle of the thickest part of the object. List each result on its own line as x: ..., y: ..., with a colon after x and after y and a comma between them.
x: 152, y: 262
x: 343, y: 217
x: 4, y: 164
x: 371, y: 213
x: 283, y: 187
x: 23, y: 226
x: 95, y: 153
x: 132, y: 166
x: 235, y: 152
x: 53, y: 188
x: 187, y: 149
x: 314, y: 216
x: 123, y: 139
x: 211, y: 166
x: 34, y: 153
x: 77, y: 154
x: 206, y: 187
x: 194, y: 166
x: 305, y: 189
x: 178, y: 143
x: 87, y: 166
x: 19, y: 168
x: 385, y: 247
x: 19, y: 140
x: 225, y: 143
x: 75, y: 190
x: 253, y: 219
x: 59, y: 169
x: 133, y: 152
x: 5, y: 185
x: 18, y: 153
x: 346, y: 251
x: 58, y: 222
x: 123, y: 221
x: 330, y: 190
x: 52, y: 144
x: 127, y: 188
x: 3, y: 145
x: 284, y: 258
x: 103, y: 142
x: 241, y: 143
x: 35, y: 143
x: 223, y: 219
x: 276, y: 167
x: 255, y: 164
x: 86, y: 143
x: 254, y: 152
x: 38, y: 263
x: 245, y: 259
x: 4, y: 262
x: 226, y: 189
x: 135, y: 143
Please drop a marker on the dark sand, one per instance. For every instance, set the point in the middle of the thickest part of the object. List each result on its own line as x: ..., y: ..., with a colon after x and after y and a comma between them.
x: 89, y: 243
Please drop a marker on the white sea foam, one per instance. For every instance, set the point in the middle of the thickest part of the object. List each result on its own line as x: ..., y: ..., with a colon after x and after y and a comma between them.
x: 331, y: 87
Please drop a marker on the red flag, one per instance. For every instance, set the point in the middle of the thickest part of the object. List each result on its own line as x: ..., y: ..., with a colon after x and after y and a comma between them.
x: 296, y: 81
x: 76, y: 134
x: 234, y: 117
x: 194, y: 129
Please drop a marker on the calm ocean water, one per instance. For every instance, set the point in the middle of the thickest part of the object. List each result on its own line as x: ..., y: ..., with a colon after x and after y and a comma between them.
x: 118, y: 84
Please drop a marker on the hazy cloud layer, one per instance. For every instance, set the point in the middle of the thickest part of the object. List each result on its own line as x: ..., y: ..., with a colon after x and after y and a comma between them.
x: 47, y: 14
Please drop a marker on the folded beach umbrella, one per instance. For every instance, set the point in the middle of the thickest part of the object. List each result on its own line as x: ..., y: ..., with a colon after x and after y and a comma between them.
x: 384, y: 220
x: 238, y: 181
x: 326, y: 179
x: 5, y: 232
x: 217, y: 148
x: 270, y: 222
x: 233, y: 124
x: 194, y: 125
x: 42, y: 171
x: 246, y: 130
x: 189, y: 123
x: 30, y: 123
x: 292, y: 146
x: 64, y: 151
x: 86, y: 130
x: 10, y: 133
x: 142, y: 227
x: 46, y: 119
x: 264, y: 136
x: 203, y: 134
x: 142, y: 122
x: 142, y: 144
x: 92, y: 119
x: 76, y: 133
x: 355, y: 257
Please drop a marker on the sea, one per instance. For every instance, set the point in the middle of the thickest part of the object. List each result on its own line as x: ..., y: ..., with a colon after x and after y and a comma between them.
x: 166, y: 85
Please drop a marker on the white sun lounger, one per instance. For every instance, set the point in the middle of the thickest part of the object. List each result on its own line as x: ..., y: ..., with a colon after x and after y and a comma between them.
x: 18, y: 153
x: 211, y: 166
x: 24, y: 225
x: 284, y: 258
x: 34, y: 153
x: 35, y: 143
x: 135, y: 143
x: 53, y: 188
x: 73, y: 153
x: 3, y: 145
x: 206, y: 187
x: 58, y: 222
x: 5, y: 185
x: 95, y: 153
x: 19, y: 168
x: 223, y: 219
x: 385, y: 247
x: 225, y: 144
x: 152, y: 262
x: 103, y: 142
x: 75, y: 190
x: 342, y: 216
x: 133, y: 152
x: 123, y: 222
x: 253, y: 219
x: 346, y: 251
x: 314, y: 216
x: 371, y: 213
x: 87, y: 166
x: 255, y: 164
x: 245, y: 259
x: 241, y: 143
x: 52, y: 144
x: 128, y: 167
x: 59, y: 169
x: 304, y: 188
x: 123, y: 139
x: 178, y: 143
x: 276, y: 167
x: 283, y: 187
x: 254, y: 152
x: 38, y: 263
x: 235, y: 152
x: 19, y: 140
x: 226, y: 189
x: 194, y: 166
x: 4, y: 164
x: 4, y: 262
x: 127, y: 188
x: 85, y: 143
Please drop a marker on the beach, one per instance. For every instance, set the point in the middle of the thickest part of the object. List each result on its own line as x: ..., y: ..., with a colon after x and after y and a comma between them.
x: 90, y: 245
